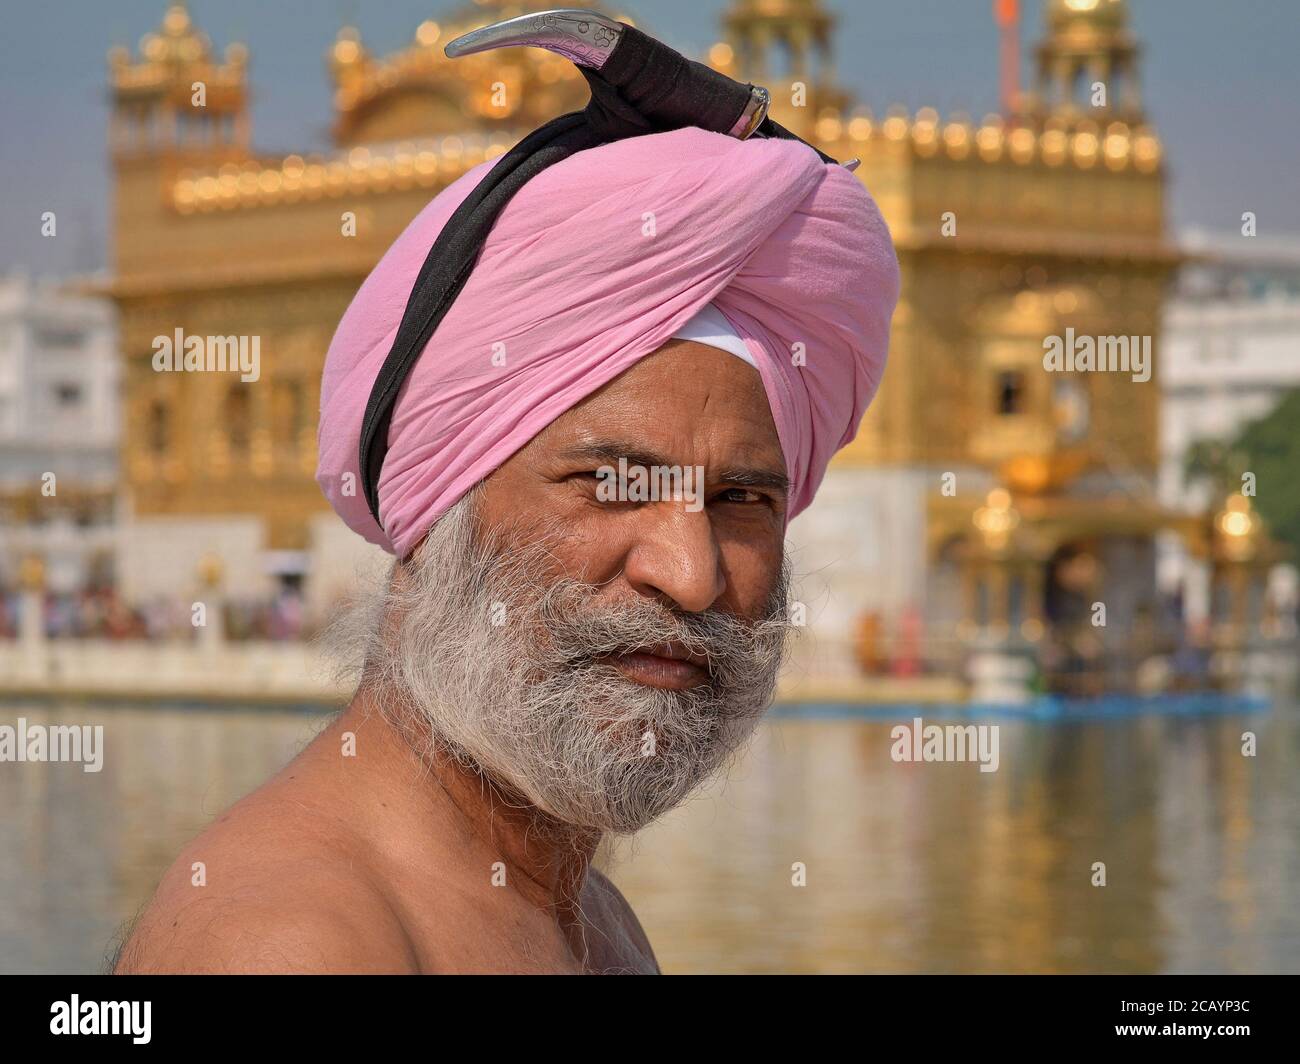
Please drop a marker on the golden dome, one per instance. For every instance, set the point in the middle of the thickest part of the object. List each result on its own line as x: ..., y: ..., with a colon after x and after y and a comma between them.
x: 172, y: 58
x: 176, y: 41
x: 347, y: 48
x: 417, y: 91
x: 1090, y: 14
x: 1087, y: 65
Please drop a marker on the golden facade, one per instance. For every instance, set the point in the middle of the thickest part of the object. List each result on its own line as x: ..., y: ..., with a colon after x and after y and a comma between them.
x: 215, y: 239
x: 1008, y: 230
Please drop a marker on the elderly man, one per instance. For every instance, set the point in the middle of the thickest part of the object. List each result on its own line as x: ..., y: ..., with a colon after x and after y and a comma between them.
x: 583, y: 453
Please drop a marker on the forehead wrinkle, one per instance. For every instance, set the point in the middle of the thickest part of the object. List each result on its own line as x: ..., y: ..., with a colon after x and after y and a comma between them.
x: 682, y: 402
x: 612, y: 451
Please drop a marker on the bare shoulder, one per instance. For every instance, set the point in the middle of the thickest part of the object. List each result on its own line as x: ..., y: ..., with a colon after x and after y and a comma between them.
x: 267, y: 889
x: 610, y: 907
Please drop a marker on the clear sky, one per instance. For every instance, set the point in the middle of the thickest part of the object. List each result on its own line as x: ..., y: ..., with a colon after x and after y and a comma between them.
x: 1221, y: 80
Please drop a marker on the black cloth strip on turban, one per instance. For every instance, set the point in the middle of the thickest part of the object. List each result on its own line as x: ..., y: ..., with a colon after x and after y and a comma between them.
x: 644, y: 87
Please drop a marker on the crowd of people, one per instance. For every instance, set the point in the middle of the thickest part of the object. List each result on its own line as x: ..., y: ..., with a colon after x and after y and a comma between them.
x: 101, y: 613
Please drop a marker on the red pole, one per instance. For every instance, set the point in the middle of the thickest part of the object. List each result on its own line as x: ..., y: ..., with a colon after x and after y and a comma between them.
x: 1007, y: 14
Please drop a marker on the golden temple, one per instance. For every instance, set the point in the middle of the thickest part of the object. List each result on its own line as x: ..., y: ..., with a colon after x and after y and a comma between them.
x: 1008, y: 230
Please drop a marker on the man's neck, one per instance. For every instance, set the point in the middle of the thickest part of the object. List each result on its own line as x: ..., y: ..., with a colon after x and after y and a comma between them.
x: 543, y: 861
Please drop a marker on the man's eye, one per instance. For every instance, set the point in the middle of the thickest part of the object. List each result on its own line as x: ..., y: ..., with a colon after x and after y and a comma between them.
x: 740, y: 495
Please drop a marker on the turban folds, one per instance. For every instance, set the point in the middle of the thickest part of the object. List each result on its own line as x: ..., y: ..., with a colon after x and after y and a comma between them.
x: 591, y: 266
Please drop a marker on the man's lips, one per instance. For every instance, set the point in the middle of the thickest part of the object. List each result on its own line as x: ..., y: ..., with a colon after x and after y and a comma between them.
x: 668, y: 665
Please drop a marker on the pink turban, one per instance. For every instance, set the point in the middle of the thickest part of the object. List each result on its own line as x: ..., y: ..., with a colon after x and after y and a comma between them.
x: 589, y: 268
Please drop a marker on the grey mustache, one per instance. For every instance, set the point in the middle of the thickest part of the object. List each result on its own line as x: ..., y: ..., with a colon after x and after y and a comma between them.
x: 717, y: 636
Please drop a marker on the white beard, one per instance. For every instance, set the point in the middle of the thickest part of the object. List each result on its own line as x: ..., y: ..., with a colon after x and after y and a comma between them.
x: 493, y: 663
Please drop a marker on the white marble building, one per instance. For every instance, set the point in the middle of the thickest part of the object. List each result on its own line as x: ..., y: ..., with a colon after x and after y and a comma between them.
x: 1231, y: 350
x: 59, y: 427
x: 1231, y: 345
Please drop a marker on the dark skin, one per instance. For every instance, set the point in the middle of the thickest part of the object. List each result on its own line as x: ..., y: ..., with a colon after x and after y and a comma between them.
x: 389, y: 862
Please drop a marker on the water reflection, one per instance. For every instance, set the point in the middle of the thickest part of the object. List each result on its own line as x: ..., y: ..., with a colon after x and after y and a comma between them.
x: 910, y: 867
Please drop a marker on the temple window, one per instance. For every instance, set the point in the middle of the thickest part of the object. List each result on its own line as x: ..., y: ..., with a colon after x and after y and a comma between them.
x: 237, y: 417
x: 1010, y: 393
x: 157, y: 428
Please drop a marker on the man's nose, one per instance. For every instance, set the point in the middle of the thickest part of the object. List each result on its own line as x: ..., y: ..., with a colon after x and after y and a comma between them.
x: 676, y: 554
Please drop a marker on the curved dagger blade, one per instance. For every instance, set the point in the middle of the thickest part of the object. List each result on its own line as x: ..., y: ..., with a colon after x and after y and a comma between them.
x: 584, y: 37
